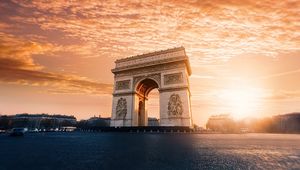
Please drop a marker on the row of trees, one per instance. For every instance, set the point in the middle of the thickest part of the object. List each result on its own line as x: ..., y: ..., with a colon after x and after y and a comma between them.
x: 93, y: 123
x: 48, y: 122
x: 8, y: 122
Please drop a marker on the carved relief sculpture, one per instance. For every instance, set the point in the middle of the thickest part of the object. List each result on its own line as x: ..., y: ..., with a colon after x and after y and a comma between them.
x: 121, y: 109
x: 174, y: 78
x: 175, y: 105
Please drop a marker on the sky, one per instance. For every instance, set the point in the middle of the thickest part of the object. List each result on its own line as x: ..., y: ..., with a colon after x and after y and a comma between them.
x: 56, y: 56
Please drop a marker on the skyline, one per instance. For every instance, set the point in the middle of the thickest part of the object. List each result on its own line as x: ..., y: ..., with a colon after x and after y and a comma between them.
x: 56, y: 57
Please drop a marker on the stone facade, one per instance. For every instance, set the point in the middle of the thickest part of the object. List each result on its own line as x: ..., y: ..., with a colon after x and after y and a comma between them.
x: 135, y: 77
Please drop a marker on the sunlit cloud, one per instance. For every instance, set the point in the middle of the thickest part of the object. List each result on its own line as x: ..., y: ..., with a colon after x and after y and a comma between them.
x: 283, y: 95
x: 19, y: 51
x: 17, y: 66
x: 11, y: 71
x: 297, y: 71
x: 217, y: 30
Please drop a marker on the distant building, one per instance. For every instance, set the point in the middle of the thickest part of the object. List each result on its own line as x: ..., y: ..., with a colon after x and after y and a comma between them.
x: 58, y: 118
x: 221, y: 123
x: 289, y: 123
x: 152, y: 121
x: 40, y: 121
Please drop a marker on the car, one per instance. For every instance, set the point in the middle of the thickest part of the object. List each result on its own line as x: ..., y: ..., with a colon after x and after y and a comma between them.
x: 17, y: 132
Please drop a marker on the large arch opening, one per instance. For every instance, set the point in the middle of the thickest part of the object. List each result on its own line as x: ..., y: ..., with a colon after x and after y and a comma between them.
x: 143, y: 90
x: 153, y: 108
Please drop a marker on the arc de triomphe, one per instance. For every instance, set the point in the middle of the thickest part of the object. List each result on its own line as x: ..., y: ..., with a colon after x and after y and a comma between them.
x: 136, y: 76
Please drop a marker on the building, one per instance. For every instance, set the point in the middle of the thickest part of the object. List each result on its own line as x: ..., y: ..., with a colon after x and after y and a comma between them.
x: 288, y: 123
x: 41, y: 121
x: 58, y: 117
x: 135, y: 77
x: 221, y: 123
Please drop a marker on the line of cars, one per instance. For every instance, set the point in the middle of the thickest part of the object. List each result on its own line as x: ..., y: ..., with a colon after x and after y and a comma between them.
x: 14, y: 131
x: 20, y: 131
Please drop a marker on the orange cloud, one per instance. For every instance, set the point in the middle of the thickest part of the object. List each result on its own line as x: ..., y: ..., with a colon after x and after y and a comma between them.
x: 13, y: 48
x: 210, y: 30
x: 11, y: 71
x: 283, y: 95
x: 17, y: 66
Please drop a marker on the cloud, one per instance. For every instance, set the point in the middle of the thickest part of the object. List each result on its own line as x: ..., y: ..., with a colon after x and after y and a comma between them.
x: 11, y: 71
x: 16, y: 53
x: 202, y: 76
x: 283, y: 74
x: 18, y: 67
x: 210, y: 30
x: 4, y: 26
x: 283, y: 95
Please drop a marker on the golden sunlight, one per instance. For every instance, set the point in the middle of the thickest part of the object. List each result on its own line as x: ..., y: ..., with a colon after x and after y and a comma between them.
x: 242, y: 102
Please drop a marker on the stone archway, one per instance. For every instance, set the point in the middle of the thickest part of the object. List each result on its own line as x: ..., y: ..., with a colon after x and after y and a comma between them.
x: 135, y: 77
x: 143, y: 88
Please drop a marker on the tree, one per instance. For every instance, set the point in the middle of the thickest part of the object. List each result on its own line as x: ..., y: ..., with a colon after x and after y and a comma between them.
x: 5, y: 122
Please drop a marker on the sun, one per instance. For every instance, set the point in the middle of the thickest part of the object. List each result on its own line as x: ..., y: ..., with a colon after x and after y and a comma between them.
x: 242, y: 102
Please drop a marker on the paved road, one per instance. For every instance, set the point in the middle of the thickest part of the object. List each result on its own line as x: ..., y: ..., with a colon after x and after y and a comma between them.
x: 149, y: 151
